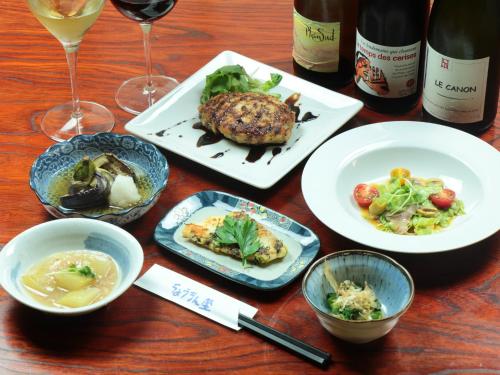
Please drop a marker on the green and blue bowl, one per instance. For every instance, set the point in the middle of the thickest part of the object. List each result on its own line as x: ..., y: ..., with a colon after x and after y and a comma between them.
x: 390, y: 281
x: 130, y: 149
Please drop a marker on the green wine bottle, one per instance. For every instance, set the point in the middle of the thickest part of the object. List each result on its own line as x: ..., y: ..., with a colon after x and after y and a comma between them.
x: 323, y: 41
x: 390, y: 47
x: 462, y: 64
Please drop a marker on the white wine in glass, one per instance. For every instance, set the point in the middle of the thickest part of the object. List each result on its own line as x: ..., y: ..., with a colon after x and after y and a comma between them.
x: 68, y: 20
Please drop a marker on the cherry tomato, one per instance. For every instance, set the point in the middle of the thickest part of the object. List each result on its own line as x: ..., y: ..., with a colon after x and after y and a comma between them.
x: 364, y: 194
x: 444, y: 199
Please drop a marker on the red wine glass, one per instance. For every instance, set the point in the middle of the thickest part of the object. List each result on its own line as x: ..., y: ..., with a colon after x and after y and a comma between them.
x: 137, y: 94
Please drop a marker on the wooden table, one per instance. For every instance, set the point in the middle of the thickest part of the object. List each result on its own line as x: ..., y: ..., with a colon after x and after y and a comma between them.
x: 452, y: 326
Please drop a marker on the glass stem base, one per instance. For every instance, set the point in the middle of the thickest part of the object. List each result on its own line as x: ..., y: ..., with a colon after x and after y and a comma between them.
x: 135, y: 95
x: 61, y: 123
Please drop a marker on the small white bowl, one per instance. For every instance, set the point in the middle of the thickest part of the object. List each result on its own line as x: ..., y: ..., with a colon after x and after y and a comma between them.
x: 390, y: 281
x: 40, y: 241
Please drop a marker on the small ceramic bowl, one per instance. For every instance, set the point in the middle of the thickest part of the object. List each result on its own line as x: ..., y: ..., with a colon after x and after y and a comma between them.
x: 40, y: 241
x: 390, y: 281
x: 130, y: 149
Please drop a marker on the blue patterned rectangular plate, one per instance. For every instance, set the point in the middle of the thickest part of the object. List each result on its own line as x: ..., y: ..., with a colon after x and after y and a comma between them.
x: 302, y: 243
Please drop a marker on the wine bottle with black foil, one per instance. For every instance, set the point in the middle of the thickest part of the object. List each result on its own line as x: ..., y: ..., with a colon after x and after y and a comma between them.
x: 323, y: 41
x: 462, y: 64
x: 390, y: 45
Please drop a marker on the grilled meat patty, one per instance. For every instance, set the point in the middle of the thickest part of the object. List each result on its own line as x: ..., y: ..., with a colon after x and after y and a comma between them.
x: 249, y: 118
x: 203, y: 234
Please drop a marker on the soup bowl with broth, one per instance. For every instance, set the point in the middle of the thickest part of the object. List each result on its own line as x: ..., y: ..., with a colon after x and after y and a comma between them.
x: 70, y: 266
x: 52, y: 171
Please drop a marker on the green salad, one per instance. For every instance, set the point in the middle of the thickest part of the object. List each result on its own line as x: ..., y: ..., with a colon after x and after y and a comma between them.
x: 350, y: 301
x: 234, y: 78
x: 353, y: 302
x: 409, y: 205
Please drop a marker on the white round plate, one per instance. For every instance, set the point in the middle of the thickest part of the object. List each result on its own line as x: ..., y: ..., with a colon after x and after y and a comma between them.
x: 467, y: 165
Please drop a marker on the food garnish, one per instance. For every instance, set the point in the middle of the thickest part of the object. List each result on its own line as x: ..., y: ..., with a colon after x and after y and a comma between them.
x: 364, y: 194
x: 82, y: 270
x: 241, y: 231
x: 406, y: 204
x: 349, y: 301
x: 237, y: 235
x: 444, y: 199
x: 353, y: 302
x: 234, y: 78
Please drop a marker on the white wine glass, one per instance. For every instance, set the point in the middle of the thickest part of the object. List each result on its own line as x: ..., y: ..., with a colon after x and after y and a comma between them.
x: 68, y: 21
x: 139, y: 93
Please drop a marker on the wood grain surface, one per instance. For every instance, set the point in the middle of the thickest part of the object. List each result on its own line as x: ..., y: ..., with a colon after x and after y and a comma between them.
x: 452, y: 327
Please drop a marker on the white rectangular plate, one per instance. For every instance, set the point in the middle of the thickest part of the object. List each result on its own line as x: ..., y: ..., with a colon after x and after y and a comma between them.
x: 169, y: 124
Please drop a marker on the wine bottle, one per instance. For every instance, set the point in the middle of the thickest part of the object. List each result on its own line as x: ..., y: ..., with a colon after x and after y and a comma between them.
x: 323, y: 41
x: 462, y: 65
x: 390, y: 42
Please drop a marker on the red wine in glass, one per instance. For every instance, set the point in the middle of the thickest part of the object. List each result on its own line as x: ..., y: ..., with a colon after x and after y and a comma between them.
x: 137, y: 94
x: 144, y: 10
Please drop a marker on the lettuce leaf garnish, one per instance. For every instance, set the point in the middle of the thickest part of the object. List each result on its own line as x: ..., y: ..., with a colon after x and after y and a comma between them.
x: 234, y: 78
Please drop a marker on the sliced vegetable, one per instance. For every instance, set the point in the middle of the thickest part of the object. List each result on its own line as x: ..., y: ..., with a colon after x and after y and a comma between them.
x: 71, y: 280
x: 79, y: 298
x: 84, y: 171
x: 428, y: 211
x: 444, y: 199
x: 400, y: 172
x: 378, y: 206
x: 364, y: 194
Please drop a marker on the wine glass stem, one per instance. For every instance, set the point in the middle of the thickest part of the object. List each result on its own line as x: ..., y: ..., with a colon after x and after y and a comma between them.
x: 71, y: 57
x: 146, y: 31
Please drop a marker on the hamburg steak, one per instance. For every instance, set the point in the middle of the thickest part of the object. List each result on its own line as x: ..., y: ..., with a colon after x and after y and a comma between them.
x: 249, y: 118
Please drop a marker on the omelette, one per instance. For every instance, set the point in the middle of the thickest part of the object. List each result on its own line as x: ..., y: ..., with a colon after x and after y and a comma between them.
x: 203, y: 234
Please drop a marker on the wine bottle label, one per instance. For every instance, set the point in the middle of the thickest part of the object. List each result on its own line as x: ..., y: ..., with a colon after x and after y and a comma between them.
x: 454, y: 89
x: 390, y: 72
x: 316, y: 44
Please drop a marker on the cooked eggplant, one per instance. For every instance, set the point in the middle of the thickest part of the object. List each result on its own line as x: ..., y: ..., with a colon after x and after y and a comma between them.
x: 84, y: 171
x: 92, y: 180
x: 92, y: 195
x: 113, y: 165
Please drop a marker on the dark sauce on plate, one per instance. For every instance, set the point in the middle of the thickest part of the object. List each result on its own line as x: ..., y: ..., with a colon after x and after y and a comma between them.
x: 255, y: 153
x: 276, y: 151
x: 308, y: 116
x: 291, y: 101
x: 163, y: 132
x: 208, y: 138
x: 219, y: 154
